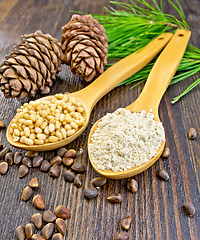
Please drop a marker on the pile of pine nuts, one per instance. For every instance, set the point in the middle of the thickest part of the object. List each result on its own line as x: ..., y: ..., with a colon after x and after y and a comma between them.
x: 40, y: 122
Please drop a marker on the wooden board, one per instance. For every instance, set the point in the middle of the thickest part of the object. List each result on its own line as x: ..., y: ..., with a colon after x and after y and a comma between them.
x: 156, y: 209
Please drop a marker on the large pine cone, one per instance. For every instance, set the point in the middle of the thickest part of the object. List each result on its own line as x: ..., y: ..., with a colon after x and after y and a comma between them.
x: 84, y: 44
x: 31, y: 66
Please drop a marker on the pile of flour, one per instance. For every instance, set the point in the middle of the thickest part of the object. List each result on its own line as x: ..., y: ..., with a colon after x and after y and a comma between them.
x: 124, y: 140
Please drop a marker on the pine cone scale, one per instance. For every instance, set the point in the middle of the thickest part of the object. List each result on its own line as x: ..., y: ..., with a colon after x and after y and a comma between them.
x: 15, y: 84
x: 10, y: 73
x: 20, y: 70
x: 26, y: 84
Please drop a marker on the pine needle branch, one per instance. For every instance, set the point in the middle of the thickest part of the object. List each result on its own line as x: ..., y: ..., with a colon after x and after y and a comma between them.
x: 136, y: 25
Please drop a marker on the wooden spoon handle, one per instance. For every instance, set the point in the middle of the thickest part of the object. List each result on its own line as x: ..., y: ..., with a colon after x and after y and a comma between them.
x: 162, y: 72
x: 122, y: 70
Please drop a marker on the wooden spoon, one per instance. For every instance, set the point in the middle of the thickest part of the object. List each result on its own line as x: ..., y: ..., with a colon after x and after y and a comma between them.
x: 156, y: 85
x: 90, y: 95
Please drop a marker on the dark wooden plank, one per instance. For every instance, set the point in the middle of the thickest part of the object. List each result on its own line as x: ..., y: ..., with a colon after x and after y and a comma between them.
x: 156, y: 209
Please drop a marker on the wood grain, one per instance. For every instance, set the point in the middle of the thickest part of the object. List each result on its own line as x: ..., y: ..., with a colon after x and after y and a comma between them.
x: 156, y: 209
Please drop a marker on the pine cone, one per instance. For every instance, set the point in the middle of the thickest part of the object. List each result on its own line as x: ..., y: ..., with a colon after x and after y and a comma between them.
x: 84, y: 44
x: 31, y: 66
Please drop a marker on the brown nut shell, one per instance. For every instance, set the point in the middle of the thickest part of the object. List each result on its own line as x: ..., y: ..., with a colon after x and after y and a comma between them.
x: 48, y: 230
x: 37, y: 220
x: 37, y: 237
x: 3, y: 168
x: 189, y: 209
x: 23, y: 171
x: 49, y: 216
x: 57, y: 236
x: 90, y: 193
x: 20, y: 233
x: 38, y: 201
x: 33, y: 183
x: 99, y: 181
x: 71, y: 153
x: 9, y: 158
x: 27, y: 193
x: 78, y: 167
x: 29, y: 230
x: 126, y: 223
x: 115, y: 198
x: 61, y: 226
x: 62, y: 212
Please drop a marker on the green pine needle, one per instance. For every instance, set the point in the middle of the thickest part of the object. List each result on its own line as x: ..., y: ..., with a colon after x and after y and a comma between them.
x: 136, y: 25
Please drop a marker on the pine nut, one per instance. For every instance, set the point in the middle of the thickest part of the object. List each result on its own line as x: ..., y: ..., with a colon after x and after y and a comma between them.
x: 51, y: 127
x: 41, y: 136
x: 63, y: 132
x: 38, y: 141
x: 71, y: 132
x: 38, y: 130
x: 53, y: 139
x: 26, y: 131
x: 28, y: 141
x: 74, y: 125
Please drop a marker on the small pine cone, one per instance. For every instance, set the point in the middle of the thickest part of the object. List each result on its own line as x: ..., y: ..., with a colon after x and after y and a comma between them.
x: 84, y: 44
x: 31, y: 66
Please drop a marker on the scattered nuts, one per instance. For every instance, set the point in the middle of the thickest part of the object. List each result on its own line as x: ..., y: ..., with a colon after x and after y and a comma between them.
x: 27, y: 162
x: 166, y: 153
x: 19, y: 232
x: 78, y: 180
x: 9, y: 157
x: 90, y: 193
x: 122, y: 236
x: 31, y: 154
x: 49, y: 216
x: 38, y: 201
x: 189, y: 209
x: 68, y: 161
x: 37, y: 237
x: 132, y: 186
x: 126, y: 223
x: 37, y: 161
x: 162, y: 174
x: 56, y: 160
x: 55, y: 171
x: 57, y: 236
x: 18, y: 157
x: 61, y: 226
x: 2, y: 124
x: 29, y: 230
x: 115, y: 198
x: 61, y: 152
x: 23, y: 171
x: 37, y: 220
x: 68, y: 175
x: 99, y: 181
x: 70, y: 153
x: 78, y: 167
x: 48, y: 230
x: 3, y: 167
x: 192, y: 133
x: 45, y: 166
x: 4, y: 151
x: 33, y: 183
x: 27, y: 193
x: 62, y: 212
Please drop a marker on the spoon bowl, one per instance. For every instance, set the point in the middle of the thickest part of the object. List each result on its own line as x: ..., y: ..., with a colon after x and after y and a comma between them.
x: 90, y: 95
x: 156, y: 85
